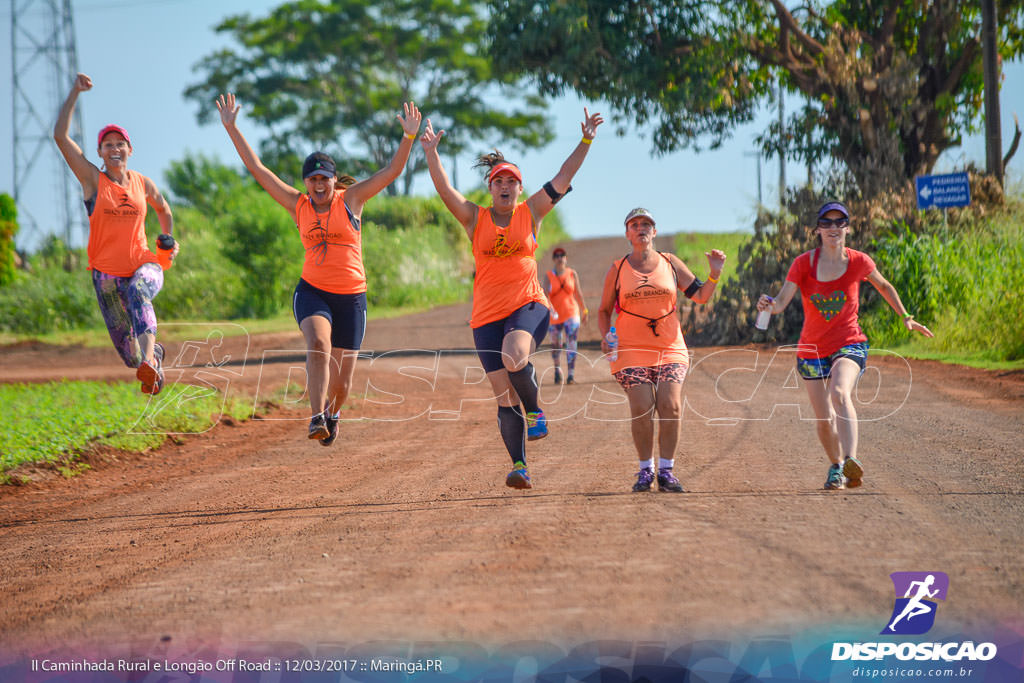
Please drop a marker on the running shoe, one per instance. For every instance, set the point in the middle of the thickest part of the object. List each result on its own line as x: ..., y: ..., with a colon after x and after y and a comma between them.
x: 151, y: 374
x: 332, y: 430
x: 558, y: 376
x: 318, y: 427
x: 570, y: 380
x: 519, y: 477
x: 835, y: 478
x: 854, y: 473
x: 668, y: 483
x: 644, y: 479
x: 536, y: 426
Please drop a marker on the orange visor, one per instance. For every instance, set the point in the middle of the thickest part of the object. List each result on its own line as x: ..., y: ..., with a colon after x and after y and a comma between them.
x: 505, y: 167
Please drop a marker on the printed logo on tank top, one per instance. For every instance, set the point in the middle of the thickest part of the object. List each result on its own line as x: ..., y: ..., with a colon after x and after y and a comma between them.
x: 125, y: 207
x: 645, y: 290
x: 502, y: 248
x: 319, y: 238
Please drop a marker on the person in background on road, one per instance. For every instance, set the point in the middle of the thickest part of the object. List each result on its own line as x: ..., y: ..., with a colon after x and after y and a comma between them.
x: 125, y: 273
x: 833, y: 349
x: 652, y: 360
x: 329, y: 303
x: 510, y: 314
x: 567, y: 309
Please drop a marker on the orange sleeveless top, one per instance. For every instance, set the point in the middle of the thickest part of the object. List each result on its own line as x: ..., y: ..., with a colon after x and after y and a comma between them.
x: 563, y: 295
x: 334, y: 246
x: 117, y: 227
x: 506, y: 273
x: 651, y: 295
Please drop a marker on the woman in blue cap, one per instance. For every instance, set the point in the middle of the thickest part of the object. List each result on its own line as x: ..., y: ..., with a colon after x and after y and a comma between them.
x: 330, y: 299
x: 833, y: 349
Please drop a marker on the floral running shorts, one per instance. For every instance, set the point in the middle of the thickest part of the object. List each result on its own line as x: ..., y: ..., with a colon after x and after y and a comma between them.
x: 656, y: 374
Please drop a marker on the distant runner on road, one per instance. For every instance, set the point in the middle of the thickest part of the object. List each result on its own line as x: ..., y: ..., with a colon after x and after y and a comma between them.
x: 568, y: 312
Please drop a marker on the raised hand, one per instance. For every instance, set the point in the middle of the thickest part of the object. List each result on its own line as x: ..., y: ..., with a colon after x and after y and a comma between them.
x: 228, y: 109
x: 82, y: 83
x: 429, y: 139
x: 590, y: 124
x: 716, y: 259
x: 411, y: 119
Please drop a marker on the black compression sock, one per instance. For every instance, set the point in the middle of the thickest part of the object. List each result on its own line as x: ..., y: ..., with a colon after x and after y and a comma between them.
x: 512, y: 426
x: 525, y: 383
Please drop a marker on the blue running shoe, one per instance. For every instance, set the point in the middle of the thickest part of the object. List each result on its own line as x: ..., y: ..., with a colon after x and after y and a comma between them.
x: 519, y: 477
x: 854, y: 473
x: 668, y: 483
x: 536, y: 426
x: 644, y: 479
x: 835, y: 478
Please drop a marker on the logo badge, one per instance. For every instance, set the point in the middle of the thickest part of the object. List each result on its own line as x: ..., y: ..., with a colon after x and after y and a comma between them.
x: 913, y: 612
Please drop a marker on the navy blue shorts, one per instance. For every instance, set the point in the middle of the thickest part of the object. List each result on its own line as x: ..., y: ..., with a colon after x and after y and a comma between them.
x: 533, y: 317
x: 345, y: 312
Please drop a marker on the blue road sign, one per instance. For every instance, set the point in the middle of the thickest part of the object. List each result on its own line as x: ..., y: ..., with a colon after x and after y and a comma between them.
x: 943, y: 191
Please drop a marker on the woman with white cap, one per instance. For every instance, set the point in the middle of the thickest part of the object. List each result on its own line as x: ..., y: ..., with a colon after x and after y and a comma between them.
x: 651, y: 359
x: 125, y: 273
x: 329, y: 303
x: 833, y: 349
x: 510, y: 312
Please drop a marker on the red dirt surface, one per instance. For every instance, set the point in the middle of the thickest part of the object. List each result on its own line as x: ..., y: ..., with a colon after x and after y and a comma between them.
x: 404, y: 529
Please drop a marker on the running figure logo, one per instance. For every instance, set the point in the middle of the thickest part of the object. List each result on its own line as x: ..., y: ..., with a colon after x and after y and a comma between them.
x: 914, y: 613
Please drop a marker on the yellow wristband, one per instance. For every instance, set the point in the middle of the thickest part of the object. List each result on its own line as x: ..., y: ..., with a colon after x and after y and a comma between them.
x: 586, y: 312
x: 711, y: 279
x: 410, y: 136
x: 586, y: 140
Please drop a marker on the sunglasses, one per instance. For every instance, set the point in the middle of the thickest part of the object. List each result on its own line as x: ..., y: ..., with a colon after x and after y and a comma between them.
x: 833, y: 222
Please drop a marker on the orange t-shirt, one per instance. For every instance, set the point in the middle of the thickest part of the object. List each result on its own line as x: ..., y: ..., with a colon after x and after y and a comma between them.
x: 117, y: 227
x: 506, y: 273
x: 563, y: 295
x: 652, y: 295
x: 334, y: 246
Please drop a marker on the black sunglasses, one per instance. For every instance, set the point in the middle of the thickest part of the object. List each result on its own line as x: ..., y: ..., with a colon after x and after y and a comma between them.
x: 837, y: 222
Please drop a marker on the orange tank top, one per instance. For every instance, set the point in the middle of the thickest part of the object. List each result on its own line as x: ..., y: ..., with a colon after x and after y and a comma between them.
x: 334, y: 246
x: 506, y: 273
x: 117, y: 226
x: 563, y: 295
x: 646, y: 305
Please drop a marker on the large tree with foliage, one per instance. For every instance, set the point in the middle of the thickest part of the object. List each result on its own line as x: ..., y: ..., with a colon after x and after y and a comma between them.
x: 333, y: 75
x: 888, y: 84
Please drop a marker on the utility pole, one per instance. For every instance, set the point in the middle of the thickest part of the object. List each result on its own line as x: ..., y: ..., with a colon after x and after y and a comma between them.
x: 990, y: 56
x: 44, y: 63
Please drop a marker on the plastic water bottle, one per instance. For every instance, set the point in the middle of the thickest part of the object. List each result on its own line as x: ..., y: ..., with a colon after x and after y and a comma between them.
x: 164, y: 247
x: 613, y: 341
x: 762, y: 319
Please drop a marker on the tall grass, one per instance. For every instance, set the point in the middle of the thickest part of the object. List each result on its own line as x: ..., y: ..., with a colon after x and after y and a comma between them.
x: 690, y: 247
x: 965, y: 284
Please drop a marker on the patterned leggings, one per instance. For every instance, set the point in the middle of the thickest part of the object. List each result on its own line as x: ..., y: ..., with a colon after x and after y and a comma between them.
x: 127, y: 307
x: 570, y: 330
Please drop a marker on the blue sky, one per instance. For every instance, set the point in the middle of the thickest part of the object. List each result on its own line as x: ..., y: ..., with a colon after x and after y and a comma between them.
x: 140, y: 54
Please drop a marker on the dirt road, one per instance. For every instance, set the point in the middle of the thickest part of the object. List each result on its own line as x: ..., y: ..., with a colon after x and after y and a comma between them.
x: 404, y: 530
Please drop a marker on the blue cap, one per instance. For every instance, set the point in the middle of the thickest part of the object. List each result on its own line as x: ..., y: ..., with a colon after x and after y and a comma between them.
x: 833, y: 206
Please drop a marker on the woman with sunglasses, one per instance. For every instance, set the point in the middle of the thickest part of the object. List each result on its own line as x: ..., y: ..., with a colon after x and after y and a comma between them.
x: 833, y: 349
x: 510, y: 313
x: 567, y: 313
x: 329, y: 303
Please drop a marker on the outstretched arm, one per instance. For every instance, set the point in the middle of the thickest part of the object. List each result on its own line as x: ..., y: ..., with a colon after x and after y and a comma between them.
x: 891, y: 297
x: 86, y: 172
x: 359, y: 193
x: 282, y: 193
x: 542, y: 201
x: 464, y: 210
x: 781, y: 300
x: 685, y: 278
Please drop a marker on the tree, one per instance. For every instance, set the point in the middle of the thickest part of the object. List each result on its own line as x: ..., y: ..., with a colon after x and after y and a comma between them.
x: 8, y: 229
x: 889, y: 84
x: 333, y: 75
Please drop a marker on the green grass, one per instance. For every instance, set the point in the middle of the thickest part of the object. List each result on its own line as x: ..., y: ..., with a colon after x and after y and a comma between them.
x: 691, y: 247
x: 982, y: 360
x: 55, y: 421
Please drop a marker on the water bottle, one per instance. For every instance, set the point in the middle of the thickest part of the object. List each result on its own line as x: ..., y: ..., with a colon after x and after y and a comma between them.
x: 613, y: 341
x: 762, y: 319
x: 164, y: 247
